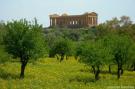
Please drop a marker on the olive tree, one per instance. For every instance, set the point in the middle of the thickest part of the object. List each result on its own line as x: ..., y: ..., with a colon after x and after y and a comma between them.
x: 4, y: 56
x: 61, y: 47
x: 132, y: 57
x: 95, y: 54
x: 2, y: 31
x: 119, y: 45
x: 24, y: 40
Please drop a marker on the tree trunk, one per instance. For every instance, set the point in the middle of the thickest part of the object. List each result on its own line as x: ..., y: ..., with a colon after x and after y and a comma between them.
x: 66, y: 57
x: 51, y: 54
x: 134, y: 66
x: 57, y: 57
x: 119, y: 71
x: 93, y: 69
x: 110, y: 69
x: 76, y: 57
x: 62, y: 57
x: 97, y: 73
x: 24, y: 63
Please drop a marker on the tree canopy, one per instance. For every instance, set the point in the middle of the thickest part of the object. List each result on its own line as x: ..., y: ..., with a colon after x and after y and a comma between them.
x: 24, y: 40
x: 96, y: 55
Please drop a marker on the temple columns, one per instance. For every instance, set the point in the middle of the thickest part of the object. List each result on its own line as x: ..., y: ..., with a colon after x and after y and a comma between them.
x: 50, y: 21
x: 55, y: 22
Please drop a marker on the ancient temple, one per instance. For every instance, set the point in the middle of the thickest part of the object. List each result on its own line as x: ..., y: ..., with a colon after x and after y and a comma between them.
x: 74, y: 21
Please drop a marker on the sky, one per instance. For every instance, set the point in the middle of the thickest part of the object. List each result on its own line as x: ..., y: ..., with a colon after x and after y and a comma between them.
x: 41, y: 9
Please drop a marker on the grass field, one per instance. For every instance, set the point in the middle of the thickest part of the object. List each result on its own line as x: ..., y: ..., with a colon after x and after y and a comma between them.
x: 49, y: 73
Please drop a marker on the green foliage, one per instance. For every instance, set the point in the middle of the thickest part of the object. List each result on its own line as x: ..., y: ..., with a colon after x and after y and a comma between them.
x: 2, y: 31
x: 125, y: 21
x: 48, y: 73
x: 78, y: 49
x: 24, y: 40
x: 4, y: 56
x: 105, y: 44
x: 119, y: 45
x: 131, y: 57
x: 61, y: 47
x: 74, y: 35
x: 96, y: 55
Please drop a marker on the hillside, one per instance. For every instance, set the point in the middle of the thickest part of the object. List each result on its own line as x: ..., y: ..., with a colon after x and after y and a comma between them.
x: 49, y: 73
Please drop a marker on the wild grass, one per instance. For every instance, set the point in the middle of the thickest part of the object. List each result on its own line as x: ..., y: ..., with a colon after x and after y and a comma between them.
x: 49, y: 73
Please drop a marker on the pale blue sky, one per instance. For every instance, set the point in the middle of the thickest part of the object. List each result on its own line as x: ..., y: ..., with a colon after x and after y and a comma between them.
x: 17, y: 9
